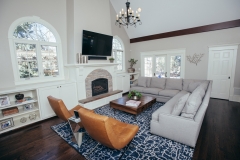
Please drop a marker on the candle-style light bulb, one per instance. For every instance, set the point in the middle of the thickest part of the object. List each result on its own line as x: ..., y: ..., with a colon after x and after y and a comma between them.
x: 139, y: 9
x: 117, y: 16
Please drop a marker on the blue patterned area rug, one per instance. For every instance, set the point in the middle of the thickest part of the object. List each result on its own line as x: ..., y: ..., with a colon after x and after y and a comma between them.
x: 144, y: 145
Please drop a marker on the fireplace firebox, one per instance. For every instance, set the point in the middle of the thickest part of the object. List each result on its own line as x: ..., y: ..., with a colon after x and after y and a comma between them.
x: 99, y: 86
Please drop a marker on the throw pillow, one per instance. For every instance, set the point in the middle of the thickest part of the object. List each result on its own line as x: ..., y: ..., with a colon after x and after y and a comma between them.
x: 142, y: 81
x: 194, y: 101
x: 178, y: 107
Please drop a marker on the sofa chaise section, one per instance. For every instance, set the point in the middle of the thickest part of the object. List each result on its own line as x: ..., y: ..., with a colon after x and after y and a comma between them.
x: 177, y: 128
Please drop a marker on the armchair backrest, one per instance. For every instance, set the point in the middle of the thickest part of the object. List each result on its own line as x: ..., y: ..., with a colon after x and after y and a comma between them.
x: 98, y: 127
x: 59, y: 108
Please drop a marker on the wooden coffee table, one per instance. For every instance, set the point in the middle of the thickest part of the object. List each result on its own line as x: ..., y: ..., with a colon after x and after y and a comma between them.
x: 120, y: 104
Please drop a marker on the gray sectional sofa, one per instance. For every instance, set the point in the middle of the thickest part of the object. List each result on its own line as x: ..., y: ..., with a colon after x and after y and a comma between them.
x: 184, y: 127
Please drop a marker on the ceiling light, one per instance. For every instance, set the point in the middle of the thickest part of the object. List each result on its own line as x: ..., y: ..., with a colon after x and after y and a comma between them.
x: 127, y: 18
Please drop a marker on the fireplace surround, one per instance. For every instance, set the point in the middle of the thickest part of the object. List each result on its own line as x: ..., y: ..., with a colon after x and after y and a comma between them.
x: 95, y: 75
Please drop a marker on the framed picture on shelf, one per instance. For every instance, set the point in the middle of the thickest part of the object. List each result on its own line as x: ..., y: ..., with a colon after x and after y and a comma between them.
x: 4, y: 101
x: 7, y: 123
x: 28, y: 106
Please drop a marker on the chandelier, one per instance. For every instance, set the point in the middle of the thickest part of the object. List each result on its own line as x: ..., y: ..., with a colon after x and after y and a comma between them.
x: 128, y: 18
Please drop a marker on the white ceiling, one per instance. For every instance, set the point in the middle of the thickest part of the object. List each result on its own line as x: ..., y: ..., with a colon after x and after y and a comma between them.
x: 160, y: 16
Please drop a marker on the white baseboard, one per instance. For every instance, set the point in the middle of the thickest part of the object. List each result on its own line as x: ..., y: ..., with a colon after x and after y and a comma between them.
x: 234, y: 98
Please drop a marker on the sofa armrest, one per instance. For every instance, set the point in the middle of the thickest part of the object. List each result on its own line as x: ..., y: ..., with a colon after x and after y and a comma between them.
x: 177, y: 128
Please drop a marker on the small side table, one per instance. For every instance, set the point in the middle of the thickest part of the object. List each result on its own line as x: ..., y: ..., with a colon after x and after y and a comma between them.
x: 78, y: 135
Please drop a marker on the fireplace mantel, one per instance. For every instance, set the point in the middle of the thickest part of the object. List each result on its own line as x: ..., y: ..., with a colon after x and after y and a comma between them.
x: 91, y: 65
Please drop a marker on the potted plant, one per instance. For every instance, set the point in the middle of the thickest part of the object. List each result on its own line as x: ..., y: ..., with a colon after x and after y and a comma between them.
x: 135, y: 95
x: 132, y: 62
x: 111, y: 60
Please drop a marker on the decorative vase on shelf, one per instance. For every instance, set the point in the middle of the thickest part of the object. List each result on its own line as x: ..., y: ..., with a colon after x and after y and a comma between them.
x: 132, y: 62
x: 131, y: 70
x: 111, y: 60
x: 19, y: 96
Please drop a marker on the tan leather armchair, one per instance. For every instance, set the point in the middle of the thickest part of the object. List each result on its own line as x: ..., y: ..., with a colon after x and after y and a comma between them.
x: 61, y: 110
x: 108, y: 131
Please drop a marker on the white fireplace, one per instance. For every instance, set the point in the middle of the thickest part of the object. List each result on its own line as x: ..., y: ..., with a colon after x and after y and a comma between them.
x: 84, y: 74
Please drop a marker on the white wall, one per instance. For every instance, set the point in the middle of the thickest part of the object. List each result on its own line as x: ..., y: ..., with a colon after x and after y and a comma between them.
x: 194, y: 43
x: 54, y: 12
x: 91, y: 15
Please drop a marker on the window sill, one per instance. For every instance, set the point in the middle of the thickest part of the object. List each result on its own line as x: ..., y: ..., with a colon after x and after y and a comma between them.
x: 30, y: 81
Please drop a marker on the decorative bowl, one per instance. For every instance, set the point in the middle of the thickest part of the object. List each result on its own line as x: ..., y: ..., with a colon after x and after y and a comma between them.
x: 136, y: 98
x: 19, y: 96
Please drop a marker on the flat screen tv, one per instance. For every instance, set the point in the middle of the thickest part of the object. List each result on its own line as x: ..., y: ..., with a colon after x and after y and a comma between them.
x: 96, y: 44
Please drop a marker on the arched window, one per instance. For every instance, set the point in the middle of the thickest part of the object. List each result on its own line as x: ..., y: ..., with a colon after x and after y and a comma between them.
x: 36, y: 51
x: 118, y: 53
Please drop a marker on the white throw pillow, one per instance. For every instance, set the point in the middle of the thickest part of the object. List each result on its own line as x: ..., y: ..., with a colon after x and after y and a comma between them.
x: 178, y: 107
x: 194, y: 101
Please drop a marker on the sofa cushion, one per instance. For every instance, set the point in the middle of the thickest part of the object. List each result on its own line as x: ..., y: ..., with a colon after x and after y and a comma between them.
x: 193, y: 102
x: 175, y: 84
x: 178, y: 107
x: 137, y: 88
x: 191, y: 84
x: 142, y: 81
x: 168, y: 93
x: 168, y: 106
x: 158, y: 83
x: 151, y: 90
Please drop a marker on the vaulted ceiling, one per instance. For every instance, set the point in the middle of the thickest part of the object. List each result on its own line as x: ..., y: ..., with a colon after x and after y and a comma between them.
x: 160, y: 16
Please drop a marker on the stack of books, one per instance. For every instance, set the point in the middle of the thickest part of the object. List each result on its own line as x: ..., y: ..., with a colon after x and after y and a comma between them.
x: 133, y: 103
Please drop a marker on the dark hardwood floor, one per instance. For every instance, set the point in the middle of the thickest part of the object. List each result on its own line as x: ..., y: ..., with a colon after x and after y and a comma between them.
x: 219, y: 137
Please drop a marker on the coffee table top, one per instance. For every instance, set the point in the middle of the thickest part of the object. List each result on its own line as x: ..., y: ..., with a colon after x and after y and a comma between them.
x: 122, y: 101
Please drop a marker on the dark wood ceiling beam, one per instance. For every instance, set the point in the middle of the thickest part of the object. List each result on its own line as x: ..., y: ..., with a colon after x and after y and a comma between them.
x: 207, y: 28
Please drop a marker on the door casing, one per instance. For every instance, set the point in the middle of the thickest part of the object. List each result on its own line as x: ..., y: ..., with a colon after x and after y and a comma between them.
x: 234, y: 61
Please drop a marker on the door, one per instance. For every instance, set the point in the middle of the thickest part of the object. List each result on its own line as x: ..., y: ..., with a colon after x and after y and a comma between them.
x: 68, y: 93
x: 219, y: 70
x: 46, y: 109
x: 119, y: 82
x: 160, y: 70
x: 126, y: 83
x: 123, y: 82
x: 163, y: 65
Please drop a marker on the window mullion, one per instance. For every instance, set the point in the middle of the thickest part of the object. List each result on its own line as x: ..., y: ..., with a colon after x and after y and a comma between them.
x: 39, y: 60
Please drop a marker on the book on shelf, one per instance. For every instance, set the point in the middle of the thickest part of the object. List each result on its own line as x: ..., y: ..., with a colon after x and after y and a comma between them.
x: 133, y: 103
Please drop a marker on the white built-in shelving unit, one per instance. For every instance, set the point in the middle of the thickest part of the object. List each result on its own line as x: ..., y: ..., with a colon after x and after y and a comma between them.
x: 22, y: 113
x: 65, y: 90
